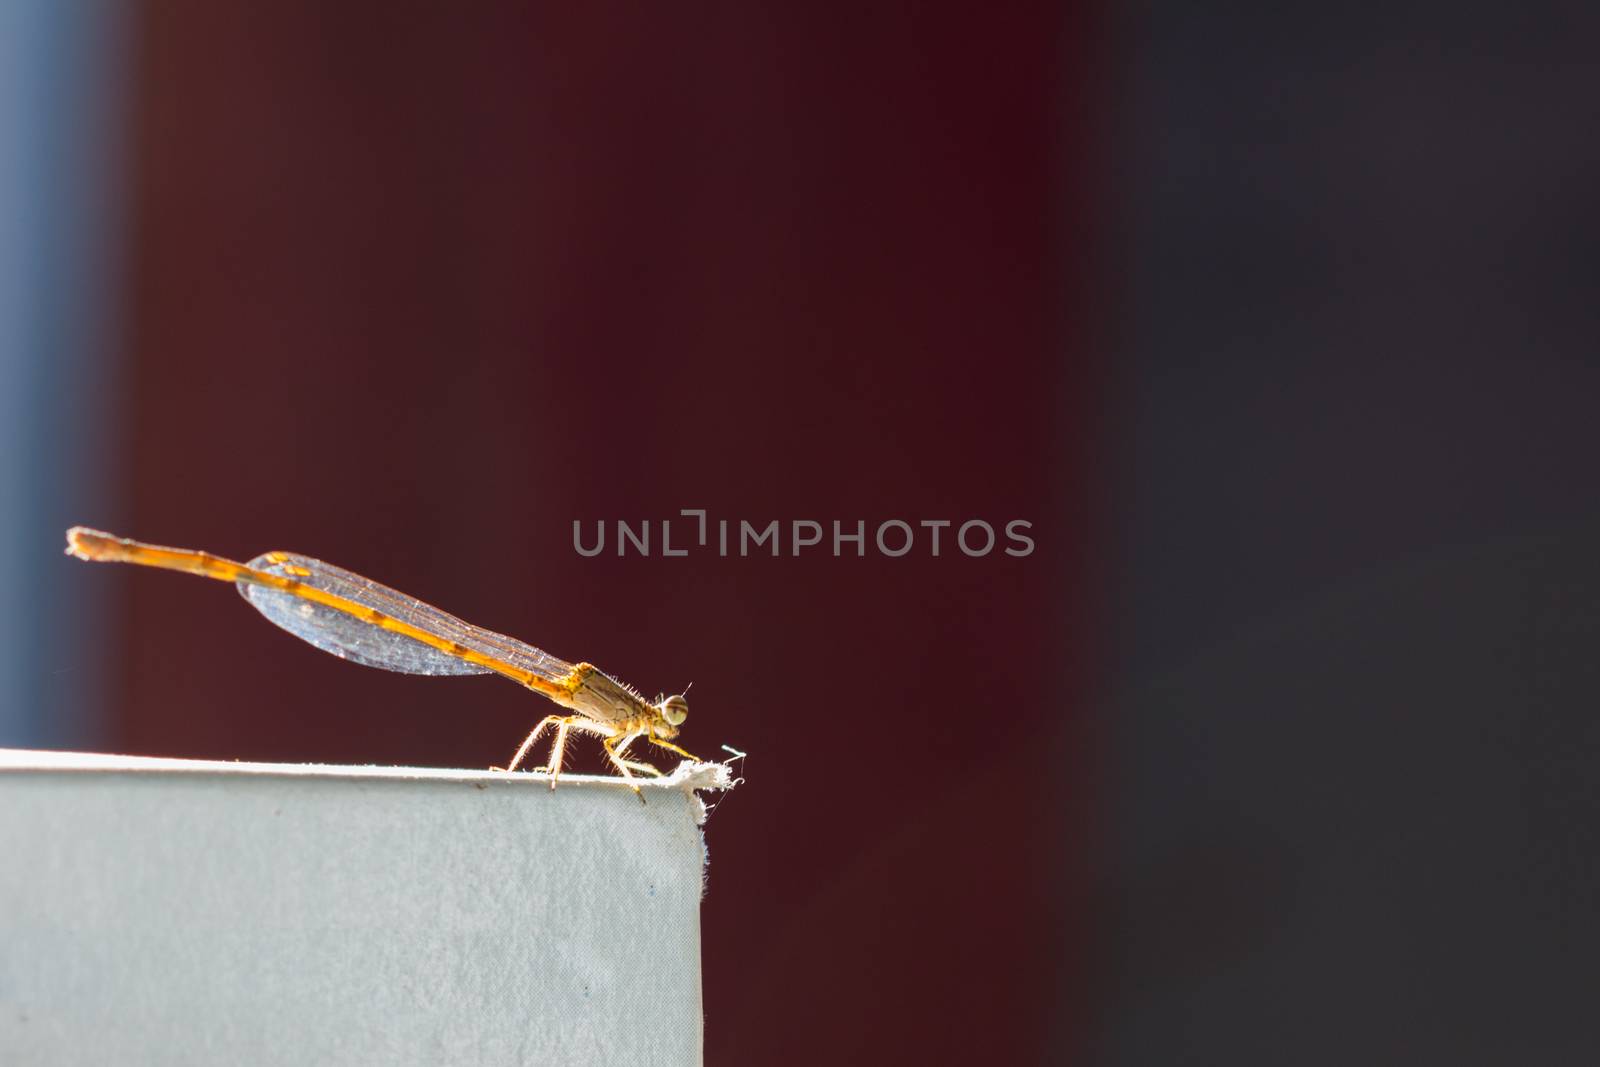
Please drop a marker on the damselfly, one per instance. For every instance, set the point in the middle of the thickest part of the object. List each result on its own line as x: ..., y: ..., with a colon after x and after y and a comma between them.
x: 357, y: 619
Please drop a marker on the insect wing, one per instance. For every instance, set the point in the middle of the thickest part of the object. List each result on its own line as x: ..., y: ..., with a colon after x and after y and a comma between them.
x: 354, y: 638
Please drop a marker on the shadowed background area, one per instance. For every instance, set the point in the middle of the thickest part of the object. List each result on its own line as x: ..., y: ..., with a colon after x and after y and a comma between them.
x: 1352, y: 748
x: 1278, y: 327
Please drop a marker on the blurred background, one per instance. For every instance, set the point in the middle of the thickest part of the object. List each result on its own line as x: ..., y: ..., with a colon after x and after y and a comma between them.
x: 1278, y: 326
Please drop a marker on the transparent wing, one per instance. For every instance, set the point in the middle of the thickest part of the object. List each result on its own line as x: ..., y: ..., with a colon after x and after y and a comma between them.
x: 352, y: 638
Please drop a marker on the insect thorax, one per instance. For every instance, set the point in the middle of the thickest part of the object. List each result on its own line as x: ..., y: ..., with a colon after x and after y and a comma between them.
x: 604, y: 699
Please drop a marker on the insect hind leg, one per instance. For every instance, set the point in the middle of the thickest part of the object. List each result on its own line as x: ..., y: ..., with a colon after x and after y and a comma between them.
x: 563, y: 727
x: 527, y: 743
x: 614, y: 743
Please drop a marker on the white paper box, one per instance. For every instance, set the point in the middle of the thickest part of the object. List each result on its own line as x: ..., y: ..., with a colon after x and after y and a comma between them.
x: 179, y: 912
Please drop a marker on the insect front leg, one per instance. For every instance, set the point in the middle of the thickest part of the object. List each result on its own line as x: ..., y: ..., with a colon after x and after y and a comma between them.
x: 670, y: 747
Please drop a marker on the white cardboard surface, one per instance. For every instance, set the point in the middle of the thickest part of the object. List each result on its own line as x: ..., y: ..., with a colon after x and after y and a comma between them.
x: 178, y: 912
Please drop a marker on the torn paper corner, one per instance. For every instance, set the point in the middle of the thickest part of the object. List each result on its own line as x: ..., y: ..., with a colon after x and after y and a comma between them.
x: 693, y: 777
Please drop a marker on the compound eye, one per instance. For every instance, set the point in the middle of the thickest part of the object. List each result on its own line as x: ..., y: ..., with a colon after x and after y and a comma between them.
x: 675, y: 710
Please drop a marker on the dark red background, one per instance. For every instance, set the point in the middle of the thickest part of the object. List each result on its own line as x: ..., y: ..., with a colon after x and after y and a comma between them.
x: 412, y: 292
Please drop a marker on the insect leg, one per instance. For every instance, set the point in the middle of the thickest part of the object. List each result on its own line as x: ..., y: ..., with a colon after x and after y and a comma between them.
x: 636, y: 765
x: 670, y: 747
x: 558, y: 749
x: 531, y: 738
x: 609, y: 744
x: 563, y: 727
x: 627, y: 739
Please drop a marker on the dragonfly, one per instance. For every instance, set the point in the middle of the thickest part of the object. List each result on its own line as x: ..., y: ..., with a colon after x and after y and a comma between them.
x: 358, y: 619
